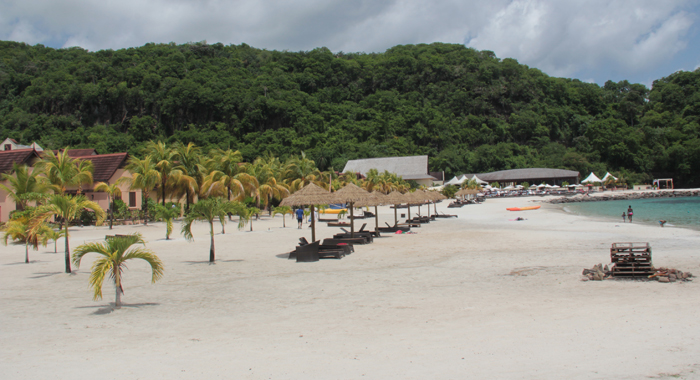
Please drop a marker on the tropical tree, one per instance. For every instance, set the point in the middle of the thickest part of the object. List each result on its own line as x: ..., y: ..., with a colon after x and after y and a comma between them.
x: 167, y: 214
x: 24, y: 185
x: 284, y: 210
x: 144, y: 177
x: 192, y: 171
x: 227, y: 176
x: 18, y: 230
x: 163, y: 157
x: 251, y: 212
x: 66, y: 207
x: 51, y: 234
x: 209, y: 210
x: 113, y: 191
x: 63, y: 171
x: 300, y: 171
x: 115, y: 252
x: 268, y: 185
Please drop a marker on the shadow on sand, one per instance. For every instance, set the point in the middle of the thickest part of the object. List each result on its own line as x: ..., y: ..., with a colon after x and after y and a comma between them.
x: 283, y: 255
x: 210, y: 263
x: 45, y: 274
x: 101, y: 310
x: 23, y: 263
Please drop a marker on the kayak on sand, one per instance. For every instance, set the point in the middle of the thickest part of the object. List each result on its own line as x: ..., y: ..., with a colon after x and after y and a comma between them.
x: 523, y: 208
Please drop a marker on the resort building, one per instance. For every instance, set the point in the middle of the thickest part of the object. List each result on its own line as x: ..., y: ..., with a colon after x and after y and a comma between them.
x: 107, y: 168
x: 12, y: 144
x: 411, y: 168
x: 518, y: 176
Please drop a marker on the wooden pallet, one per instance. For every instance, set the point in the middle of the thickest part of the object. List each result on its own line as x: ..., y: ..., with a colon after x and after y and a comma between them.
x: 631, y: 260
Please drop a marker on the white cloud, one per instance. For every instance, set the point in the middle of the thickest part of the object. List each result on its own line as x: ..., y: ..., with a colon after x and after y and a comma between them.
x: 565, y: 37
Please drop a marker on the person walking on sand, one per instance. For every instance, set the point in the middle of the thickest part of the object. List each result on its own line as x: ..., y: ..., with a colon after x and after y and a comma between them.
x: 300, y: 217
x: 629, y: 213
x: 624, y: 217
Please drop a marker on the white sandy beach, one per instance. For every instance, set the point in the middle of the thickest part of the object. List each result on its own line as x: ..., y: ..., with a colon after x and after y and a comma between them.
x: 476, y: 297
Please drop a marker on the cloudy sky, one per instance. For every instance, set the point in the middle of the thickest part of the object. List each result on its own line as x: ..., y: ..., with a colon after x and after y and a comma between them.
x: 593, y: 40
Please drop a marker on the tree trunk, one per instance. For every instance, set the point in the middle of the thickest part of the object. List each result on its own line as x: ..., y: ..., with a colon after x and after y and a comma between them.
x: 251, y: 223
x: 67, y: 249
x: 118, y: 295
x: 163, y: 189
x: 26, y: 253
x: 111, y: 214
x: 284, y: 223
x: 145, y: 208
x: 313, y: 225
x: 212, y: 257
x: 396, y: 217
x: 352, y: 219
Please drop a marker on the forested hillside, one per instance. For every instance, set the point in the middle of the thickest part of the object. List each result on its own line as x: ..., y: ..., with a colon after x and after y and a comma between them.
x: 466, y: 109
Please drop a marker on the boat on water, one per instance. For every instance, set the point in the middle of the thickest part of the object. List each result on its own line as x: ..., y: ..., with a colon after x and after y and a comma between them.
x: 523, y: 208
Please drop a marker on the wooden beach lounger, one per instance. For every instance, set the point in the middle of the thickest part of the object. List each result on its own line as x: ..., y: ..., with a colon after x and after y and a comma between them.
x: 329, y: 251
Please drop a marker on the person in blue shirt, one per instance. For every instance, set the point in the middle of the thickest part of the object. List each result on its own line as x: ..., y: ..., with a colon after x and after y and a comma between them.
x: 300, y: 216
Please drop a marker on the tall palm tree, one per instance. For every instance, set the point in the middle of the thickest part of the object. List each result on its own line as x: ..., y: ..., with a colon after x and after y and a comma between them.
x: 116, y: 252
x: 24, y: 185
x: 209, y: 210
x: 66, y: 207
x: 113, y: 191
x: 63, y: 171
x: 144, y: 177
x: 300, y: 171
x: 227, y: 176
x: 163, y: 157
x: 192, y: 170
x: 268, y: 185
x: 167, y: 214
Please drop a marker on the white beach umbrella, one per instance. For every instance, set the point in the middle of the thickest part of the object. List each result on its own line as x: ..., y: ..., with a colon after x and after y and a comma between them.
x: 592, y: 178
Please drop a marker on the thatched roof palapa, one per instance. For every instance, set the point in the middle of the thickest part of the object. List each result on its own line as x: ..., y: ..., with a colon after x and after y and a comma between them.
x: 351, y: 193
x: 395, y: 198
x: 308, y: 195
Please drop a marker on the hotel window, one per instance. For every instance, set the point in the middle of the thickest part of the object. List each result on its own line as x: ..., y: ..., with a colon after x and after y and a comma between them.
x: 132, y: 199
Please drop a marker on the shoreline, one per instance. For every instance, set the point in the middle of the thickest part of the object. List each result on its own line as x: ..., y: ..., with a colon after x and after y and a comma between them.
x: 626, y: 195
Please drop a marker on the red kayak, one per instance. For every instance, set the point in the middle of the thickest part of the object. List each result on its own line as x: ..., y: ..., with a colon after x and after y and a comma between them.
x: 523, y: 208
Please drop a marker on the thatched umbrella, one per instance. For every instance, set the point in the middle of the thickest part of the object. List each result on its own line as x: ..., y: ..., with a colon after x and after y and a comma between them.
x: 308, y: 195
x: 351, y: 193
x: 436, y: 196
x: 395, y: 198
x: 412, y: 198
x: 378, y: 198
x: 464, y: 192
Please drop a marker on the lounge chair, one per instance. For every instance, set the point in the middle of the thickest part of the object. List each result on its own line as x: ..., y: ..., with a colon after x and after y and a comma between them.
x: 344, y: 240
x: 445, y: 216
x: 329, y: 251
x: 306, y: 253
x: 391, y: 229
x: 374, y: 233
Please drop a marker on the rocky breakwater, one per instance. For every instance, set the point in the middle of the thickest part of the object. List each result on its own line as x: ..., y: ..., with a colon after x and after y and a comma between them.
x: 625, y: 195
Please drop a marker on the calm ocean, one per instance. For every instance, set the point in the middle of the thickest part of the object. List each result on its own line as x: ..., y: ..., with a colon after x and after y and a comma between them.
x: 680, y: 212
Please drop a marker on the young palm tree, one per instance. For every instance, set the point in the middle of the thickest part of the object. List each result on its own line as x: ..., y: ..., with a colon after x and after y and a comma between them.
x: 23, y: 185
x: 252, y: 212
x: 18, y: 230
x: 51, y: 234
x: 300, y: 171
x: 113, y: 192
x: 268, y: 186
x: 167, y: 214
x: 116, y: 252
x: 208, y: 210
x: 284, y: 210
x: 66, y: 207
x: 144, y: 177
x: 63, y: 171
x: 227, y: 176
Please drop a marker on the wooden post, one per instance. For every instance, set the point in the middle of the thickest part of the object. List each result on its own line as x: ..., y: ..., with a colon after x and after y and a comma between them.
x: 313, y: 225
x: 352, y: 220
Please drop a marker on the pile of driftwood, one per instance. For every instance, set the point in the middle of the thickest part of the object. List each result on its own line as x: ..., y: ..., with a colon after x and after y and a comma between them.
x: 670, y: 275
x: 597, y: 273
x: 600, y: 272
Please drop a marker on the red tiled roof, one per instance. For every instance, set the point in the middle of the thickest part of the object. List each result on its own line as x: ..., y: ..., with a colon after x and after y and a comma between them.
x: 105, y: 165
x: 22, y: 156
x: 73, y: 153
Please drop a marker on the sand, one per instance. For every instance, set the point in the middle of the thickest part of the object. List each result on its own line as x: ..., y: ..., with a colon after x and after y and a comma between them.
x: 480, y: 296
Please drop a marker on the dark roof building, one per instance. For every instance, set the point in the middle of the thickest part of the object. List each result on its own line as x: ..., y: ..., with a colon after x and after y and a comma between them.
x: 530, y: 175
x: 105, y: 165
x: 409, y: 168
x: 21, y: 156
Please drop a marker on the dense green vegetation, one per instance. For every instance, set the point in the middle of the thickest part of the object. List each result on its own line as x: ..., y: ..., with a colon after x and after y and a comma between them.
x: 466, y: 109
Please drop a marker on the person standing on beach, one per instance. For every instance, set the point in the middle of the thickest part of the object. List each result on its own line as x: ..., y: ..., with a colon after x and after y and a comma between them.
x: 629, y: 213
x: 300, y: 216
x: 624, y: 217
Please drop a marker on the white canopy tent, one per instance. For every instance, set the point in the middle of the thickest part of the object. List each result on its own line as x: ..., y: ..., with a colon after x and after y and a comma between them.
x: 608, y: 175
x: 454, y: 181
x: 475, y: 178
x: 591, y: 179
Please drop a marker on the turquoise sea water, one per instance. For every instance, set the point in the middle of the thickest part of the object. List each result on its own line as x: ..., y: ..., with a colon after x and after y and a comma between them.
x: 680, y: 212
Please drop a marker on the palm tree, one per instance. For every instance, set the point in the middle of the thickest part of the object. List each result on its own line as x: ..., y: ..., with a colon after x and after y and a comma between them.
x: 163, y: 157
x: 62, y: 171
x: 24, y: 185
x: 167, y: 214
x: 228, y: 176
x: 51, y: 234
x: 192, y: 171
x: 113, y: 192
x: 66, y: 207
x: 251, y: 212
x: 144, y: 177
x: 18, y: 230
x: 284, y: 210
x: 268, y: 186
x: 300, y: 171
x: 208, y: 210
x: 116, y: 252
